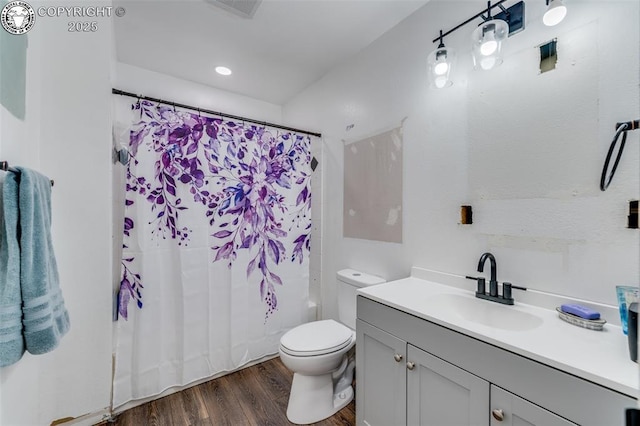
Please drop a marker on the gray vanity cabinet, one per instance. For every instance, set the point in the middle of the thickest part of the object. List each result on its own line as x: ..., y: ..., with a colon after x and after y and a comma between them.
x: 508, y: 409
x: 439, y: 393
x: 399, y: 384
x: 410, y: 371
x: 381, y: 377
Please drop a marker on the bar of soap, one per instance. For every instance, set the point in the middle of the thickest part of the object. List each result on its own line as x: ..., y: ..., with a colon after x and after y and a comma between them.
x: 580, y: 311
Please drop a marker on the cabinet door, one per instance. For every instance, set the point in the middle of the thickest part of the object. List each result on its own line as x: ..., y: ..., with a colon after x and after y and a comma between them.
x: 439, y: 393
x: 380, y: 377
x: 515, y: 411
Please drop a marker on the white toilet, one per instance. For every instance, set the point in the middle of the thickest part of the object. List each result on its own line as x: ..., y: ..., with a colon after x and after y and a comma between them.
x: 316, y: 352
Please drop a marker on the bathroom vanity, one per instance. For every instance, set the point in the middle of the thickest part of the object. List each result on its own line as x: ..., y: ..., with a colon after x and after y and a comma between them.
x: 432, y: 354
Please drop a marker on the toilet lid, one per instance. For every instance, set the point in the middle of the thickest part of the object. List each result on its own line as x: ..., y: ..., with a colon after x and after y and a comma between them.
x: 316, y: 338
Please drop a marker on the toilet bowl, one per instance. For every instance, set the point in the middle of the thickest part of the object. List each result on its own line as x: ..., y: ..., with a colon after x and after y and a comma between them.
x: 317, y: 353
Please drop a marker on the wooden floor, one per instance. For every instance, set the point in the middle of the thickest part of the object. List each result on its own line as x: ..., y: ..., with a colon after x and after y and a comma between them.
x: 255, y: 396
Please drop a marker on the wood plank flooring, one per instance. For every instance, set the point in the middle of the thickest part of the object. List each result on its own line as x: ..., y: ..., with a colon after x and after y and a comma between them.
x: 254, y: 396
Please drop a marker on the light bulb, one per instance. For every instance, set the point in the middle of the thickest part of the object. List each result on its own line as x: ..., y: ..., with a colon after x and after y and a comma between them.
x: 488, y: 47
x: 555, y: 14
x: 441, y: 68
x: 488, y: 63
x: 487, y: 43
x: 440, y: 82
x: 440, y: 63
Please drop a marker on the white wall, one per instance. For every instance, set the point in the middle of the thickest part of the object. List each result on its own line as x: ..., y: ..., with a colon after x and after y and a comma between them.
x: 150, y: 83
x: 65, y: 135
x: 572, y: 242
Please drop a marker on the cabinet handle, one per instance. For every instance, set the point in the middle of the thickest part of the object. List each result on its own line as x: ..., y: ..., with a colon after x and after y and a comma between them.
x: 411, y: 365
x: 397, y: 357
x: 498, y: 415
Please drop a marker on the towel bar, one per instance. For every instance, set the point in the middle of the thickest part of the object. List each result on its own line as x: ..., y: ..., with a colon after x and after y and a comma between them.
x: 4, y: 166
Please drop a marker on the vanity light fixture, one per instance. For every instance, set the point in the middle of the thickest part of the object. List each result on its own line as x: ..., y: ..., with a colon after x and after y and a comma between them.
x: 556, y: 11
x: 440, y: 63
x: 487, y: 41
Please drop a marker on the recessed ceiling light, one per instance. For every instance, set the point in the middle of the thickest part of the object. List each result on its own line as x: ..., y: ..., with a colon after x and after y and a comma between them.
x: 223, y: 70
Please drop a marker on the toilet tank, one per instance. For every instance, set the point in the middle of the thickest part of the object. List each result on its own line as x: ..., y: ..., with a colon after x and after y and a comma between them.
x: 350, y: 280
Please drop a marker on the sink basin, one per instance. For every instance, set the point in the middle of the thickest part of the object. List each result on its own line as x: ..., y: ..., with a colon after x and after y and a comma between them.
x: 485, y: 312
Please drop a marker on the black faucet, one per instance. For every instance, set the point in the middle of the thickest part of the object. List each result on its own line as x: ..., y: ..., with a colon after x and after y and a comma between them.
x: 493, y: 295
x: 493, y: 282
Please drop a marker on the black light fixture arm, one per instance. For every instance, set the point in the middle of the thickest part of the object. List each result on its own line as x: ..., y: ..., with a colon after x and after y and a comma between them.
x: 477, y: 15
x: 441, y: 38
x: 488, y: 18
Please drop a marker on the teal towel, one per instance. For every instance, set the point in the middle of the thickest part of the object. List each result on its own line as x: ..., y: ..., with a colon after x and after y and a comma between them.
x: 11, y: 340
x: 45, y: 318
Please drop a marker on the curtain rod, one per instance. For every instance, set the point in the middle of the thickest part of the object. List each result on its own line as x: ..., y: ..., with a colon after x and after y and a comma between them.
x: 222, y: 114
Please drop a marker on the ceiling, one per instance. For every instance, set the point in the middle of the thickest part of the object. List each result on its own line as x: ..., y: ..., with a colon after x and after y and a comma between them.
x: 285, y: 47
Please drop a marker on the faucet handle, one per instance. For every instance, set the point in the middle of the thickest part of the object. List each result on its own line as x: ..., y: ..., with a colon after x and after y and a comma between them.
x: 482, y: 283
x: 482, y: 286
x: 506, y: 290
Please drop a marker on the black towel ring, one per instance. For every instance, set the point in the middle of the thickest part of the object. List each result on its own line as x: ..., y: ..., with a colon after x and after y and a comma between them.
x: 621, y: 129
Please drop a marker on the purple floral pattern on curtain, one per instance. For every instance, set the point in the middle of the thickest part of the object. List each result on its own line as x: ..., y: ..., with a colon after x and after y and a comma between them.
x: 238, y: 173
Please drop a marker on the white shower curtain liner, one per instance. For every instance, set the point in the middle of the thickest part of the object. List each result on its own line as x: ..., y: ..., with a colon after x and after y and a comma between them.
x: 215, y: 265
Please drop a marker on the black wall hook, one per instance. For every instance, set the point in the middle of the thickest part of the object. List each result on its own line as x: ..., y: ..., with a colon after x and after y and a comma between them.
x: 630, y: 125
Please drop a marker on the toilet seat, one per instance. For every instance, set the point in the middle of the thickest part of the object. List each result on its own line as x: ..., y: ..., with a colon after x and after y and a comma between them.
x: 316, y: 338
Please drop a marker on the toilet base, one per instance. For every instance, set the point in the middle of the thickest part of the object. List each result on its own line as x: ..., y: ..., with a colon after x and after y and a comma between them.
x: 312, y: 399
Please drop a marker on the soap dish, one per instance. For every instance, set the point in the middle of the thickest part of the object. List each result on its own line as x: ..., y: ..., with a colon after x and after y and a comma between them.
x: 581, y: 322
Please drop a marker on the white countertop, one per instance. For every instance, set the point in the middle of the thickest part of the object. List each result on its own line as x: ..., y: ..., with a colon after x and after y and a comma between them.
x: 598, y: 356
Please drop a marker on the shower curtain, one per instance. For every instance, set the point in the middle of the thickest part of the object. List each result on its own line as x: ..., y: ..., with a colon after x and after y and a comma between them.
x: 215, y: 263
